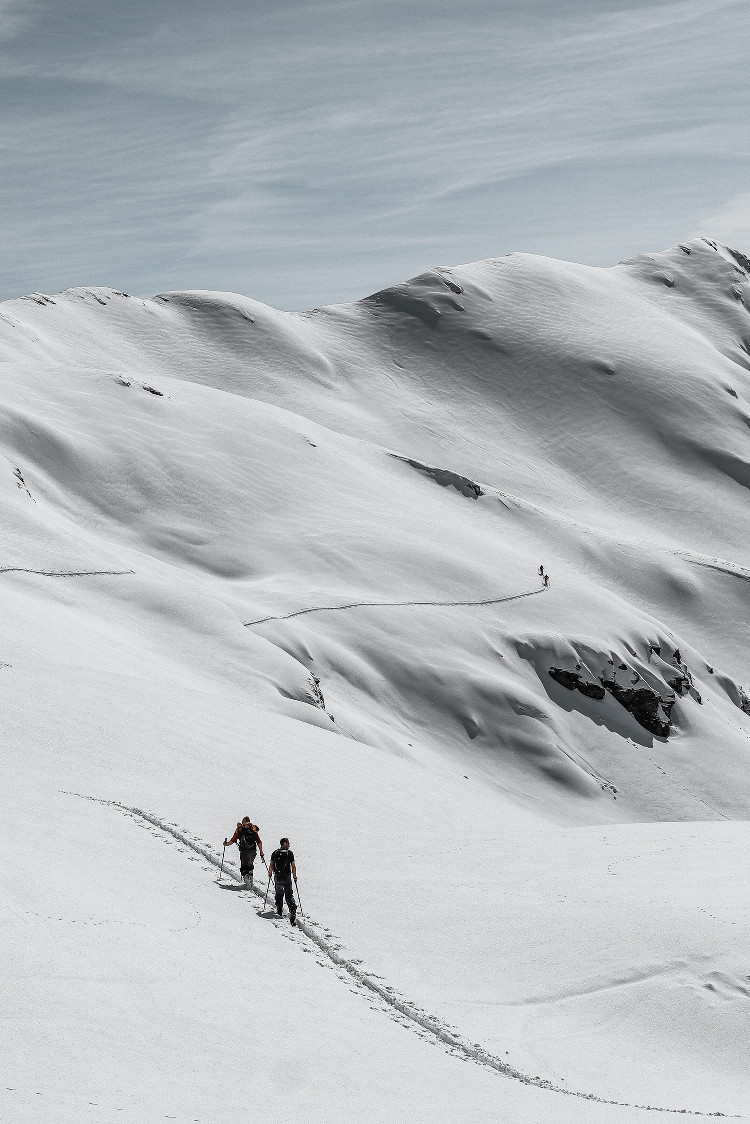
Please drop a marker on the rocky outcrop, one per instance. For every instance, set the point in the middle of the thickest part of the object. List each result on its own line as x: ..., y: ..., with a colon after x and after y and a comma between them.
x: 573, y: 681
x: 648, y: 708
x: 316, y: 692
x: 682, y: 682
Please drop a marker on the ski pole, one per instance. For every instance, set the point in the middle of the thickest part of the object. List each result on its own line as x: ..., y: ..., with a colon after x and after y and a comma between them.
x: 223, y: 856
x: 299, y: 899
x: 268, y: 887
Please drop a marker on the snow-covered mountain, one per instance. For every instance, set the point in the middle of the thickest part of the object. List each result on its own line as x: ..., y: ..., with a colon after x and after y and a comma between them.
x: 287, y: 565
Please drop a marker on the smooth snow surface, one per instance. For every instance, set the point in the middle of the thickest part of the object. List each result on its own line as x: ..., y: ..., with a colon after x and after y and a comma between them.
x: 286, y: 566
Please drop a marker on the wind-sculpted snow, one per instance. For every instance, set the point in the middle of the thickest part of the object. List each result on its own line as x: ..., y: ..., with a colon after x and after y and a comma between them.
x: 321, y: 536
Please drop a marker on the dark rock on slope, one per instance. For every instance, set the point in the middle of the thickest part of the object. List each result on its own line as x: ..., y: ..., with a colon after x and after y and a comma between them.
x: 573, y: 681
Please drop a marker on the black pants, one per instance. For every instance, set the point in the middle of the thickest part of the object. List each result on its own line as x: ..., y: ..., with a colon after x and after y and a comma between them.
x: 247, y: 859
x: 284, y: 890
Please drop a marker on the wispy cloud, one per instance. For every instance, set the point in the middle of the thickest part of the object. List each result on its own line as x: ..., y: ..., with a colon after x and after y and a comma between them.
x: 15, y: 17
x: 378, y: 137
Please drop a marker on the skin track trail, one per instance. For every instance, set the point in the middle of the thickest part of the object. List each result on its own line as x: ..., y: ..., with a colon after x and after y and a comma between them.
x: 422, y: 1019
x: 63, y: 573
x: 392, y: 605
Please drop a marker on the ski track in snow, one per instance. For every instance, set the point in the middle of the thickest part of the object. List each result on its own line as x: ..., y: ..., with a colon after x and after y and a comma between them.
x: 719, y: 564
x: 392, y: 605
x: 328, y: 945
x: 63, y: 573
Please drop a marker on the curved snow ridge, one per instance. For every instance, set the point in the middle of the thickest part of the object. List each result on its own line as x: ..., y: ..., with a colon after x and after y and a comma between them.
x: 392, y: 605
x: 430, y: 1023
x: 64, y: 573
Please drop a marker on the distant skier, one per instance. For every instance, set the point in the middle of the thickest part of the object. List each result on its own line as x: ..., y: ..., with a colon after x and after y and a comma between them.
x: 247, y: 839
x: 283, y: 869
x: 545, y: 579
x: 541, y: 571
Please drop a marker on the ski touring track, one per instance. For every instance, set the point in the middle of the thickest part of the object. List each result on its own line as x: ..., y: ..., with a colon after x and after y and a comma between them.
x: 392, y: 605
x: 64, y: 573
x: 392, y: 1003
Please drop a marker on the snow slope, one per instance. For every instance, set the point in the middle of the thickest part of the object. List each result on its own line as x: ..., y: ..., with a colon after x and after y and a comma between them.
x: 286, y: 565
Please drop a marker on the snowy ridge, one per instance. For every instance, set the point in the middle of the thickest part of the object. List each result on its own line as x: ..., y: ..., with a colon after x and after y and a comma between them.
x: 434, y: 1026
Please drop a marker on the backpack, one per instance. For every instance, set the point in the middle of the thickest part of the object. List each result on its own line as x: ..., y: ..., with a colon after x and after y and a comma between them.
x: 282, y: 863
x: 247, y: 838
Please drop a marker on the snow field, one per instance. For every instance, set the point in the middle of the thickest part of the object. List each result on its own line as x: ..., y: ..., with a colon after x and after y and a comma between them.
x: 555, y: 931
x: 139, y: 989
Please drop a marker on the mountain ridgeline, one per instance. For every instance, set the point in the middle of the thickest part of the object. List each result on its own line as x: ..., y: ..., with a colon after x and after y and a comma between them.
x: 344, y: 513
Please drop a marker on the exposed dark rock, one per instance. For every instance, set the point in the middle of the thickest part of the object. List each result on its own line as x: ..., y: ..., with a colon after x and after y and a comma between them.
x: 567, y: 679
x: 740, y: 258
x: 591, y: 690
x: 316, y: 692
x: 744, y: 702
x: 21, y: 483
x: 683, y: 682
x: 645, y: 706
x: 572, y: 681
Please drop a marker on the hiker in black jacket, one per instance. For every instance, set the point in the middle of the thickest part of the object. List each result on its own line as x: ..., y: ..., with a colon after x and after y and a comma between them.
x: 283, y: 869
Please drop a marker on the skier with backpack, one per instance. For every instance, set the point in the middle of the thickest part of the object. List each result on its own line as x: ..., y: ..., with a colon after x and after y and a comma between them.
x: 247, y: 839
x: 283, y: 869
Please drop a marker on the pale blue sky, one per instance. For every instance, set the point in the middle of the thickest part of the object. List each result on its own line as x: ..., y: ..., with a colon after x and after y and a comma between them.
x: 305, y: 152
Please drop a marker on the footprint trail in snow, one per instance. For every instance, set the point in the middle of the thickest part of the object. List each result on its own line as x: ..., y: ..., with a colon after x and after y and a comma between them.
x: 404, y: 1012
